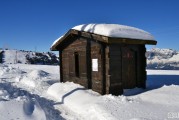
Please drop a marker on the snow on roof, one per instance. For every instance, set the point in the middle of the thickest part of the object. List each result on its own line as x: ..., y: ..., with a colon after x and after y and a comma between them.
x: 115, y: 30
x: 112, y: 30
x: 56, y: 41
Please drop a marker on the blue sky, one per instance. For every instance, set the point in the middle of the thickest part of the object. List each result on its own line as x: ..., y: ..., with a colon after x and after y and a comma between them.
x: 35, y: 24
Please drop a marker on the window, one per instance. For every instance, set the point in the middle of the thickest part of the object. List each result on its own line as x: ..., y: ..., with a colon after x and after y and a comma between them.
x: 77, y: 72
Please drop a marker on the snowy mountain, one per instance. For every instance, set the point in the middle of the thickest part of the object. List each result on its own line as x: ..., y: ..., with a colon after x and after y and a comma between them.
x: 27, y: 57
x: 165, y: 59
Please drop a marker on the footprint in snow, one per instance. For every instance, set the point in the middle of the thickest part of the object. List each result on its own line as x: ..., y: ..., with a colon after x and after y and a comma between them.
x: 28, y: 106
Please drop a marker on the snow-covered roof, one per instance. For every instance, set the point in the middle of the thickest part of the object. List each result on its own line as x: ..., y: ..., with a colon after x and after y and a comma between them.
x: 115, y: 30
x: 111, y: 31
x: 56, y: 40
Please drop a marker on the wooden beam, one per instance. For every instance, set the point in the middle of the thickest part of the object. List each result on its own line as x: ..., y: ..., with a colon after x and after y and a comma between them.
x: 131, y: 41
x: 90, y: 35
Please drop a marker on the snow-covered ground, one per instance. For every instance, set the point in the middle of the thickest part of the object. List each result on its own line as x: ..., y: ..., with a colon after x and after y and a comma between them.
x: 33, y: 92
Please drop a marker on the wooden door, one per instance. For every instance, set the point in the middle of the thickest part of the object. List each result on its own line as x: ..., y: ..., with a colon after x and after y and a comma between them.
x: 129, y: 68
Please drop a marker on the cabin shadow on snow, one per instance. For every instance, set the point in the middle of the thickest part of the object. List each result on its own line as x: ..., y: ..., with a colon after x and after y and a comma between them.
x: 154, y: 82
x: 68, y: 94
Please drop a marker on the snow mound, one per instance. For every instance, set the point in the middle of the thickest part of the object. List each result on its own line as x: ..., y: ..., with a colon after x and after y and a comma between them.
x: 4, y: 69
x: 86, y: 102
x: 4, y: 95
x: 115, y: 30
x: 58, y: 90
x: 75, y: 96
x: 33, y: 78
x: 37, y: 74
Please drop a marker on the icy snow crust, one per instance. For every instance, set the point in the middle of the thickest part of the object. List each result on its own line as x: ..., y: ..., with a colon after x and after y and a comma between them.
x: 115, y: 30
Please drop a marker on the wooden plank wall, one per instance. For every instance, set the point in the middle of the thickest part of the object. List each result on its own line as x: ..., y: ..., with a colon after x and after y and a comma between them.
x: 108, y: 79
x: 115, y: 71
x: 78, y: 46
x: 107, y: 74
x: 97, y: 76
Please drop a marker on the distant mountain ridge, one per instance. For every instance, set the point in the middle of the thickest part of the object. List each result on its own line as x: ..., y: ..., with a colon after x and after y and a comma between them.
x: 162, y: 59
x: 27, y: 57
x: 159, y: 59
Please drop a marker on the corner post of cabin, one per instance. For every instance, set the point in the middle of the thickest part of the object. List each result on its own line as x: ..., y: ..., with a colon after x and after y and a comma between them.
x: 103, y: 56
x: 144, y: 67
x: 107, y: 75
x: 141, y: 82
x: 61, y: 66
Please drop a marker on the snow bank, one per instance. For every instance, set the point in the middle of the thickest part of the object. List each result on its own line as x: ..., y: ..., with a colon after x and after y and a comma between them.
x: 33, y: 78
x: 87, y: 104
x: 115, y: 30
x: 82, y: 102
x: 4, y: 69
x: 69, y: 93
x: 37, y: 74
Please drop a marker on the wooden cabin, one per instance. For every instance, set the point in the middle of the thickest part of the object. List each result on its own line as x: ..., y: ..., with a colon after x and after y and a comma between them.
x: 101, y: 62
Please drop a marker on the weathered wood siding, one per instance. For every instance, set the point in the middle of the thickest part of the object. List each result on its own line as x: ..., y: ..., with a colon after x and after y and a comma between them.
x: 107, y: 71
x: 97, y: 76
x: 78, y: 46
x: 127, y: 64
x: 119, y: 66
x: 115, y: 69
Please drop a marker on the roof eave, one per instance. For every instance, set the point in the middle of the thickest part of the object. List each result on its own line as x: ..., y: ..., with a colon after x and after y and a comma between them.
x: 54, y: 47
x: 131, y: 41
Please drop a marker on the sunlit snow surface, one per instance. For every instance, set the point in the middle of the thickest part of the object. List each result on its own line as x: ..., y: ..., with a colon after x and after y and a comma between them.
x: 33, y: 92
x: 115, y: 30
